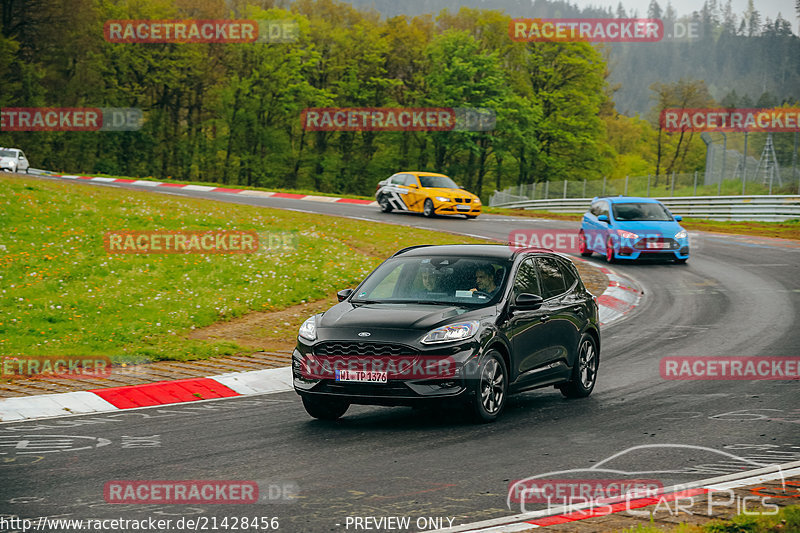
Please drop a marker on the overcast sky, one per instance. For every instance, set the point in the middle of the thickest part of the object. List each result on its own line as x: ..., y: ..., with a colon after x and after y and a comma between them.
x: 767, y: 8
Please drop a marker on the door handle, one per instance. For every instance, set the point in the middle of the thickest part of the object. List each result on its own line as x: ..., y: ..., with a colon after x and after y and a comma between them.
x: 578, y: 309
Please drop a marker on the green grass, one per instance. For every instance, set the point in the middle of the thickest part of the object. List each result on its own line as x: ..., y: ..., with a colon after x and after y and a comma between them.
x: 62, y: 294
x: 757, y: 521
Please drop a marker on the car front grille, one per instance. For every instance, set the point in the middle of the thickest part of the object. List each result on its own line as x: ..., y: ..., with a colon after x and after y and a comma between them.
x: 344, y: 348
x: 642, y: 244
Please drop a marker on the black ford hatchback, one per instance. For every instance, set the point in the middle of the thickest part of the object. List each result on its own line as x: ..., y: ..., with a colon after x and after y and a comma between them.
x: 470, y: 323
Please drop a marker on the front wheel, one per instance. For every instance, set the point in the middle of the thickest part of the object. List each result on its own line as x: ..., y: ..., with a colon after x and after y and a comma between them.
x: 584, y: 371
x: 470, y: 217
x: 610, y: 257
x: 325, y: 408
x: 427, y: 207
x: 490, y: 395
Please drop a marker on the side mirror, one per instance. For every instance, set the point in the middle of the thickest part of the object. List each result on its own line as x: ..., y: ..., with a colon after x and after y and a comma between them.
x: 459, y: 186
x: 677, y: 218
x: 528, y: 301
x: 603, y: 218
x: 414, y: 186
x: 344, y: 294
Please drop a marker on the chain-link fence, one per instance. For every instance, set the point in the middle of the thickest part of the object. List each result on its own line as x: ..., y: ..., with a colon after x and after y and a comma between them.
x: 686, y: 184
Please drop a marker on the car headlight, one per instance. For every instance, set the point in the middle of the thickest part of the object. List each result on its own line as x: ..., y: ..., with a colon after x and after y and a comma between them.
x: 476, y: 200
x: 452, y: 332
x: 309, y: 329
x: 442, y: 198
x: 682, y: 234
x: 627, y: 234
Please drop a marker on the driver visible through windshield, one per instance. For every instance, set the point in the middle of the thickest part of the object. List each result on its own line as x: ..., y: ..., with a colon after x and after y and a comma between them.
x: 640, y: 211
x: 435, y: 280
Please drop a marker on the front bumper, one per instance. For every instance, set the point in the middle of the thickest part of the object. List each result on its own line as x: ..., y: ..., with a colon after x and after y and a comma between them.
x: 677, y: 249
x: 396, y: 391
x: 453, y: 208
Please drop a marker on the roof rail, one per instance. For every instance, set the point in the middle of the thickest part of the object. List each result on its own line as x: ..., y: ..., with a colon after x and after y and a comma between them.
x: 403, y: 250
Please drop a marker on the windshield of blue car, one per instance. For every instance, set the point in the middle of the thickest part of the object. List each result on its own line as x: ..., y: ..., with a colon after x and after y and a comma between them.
x: 463, y: 281
x: 643, y: 211
x: 442, y: 182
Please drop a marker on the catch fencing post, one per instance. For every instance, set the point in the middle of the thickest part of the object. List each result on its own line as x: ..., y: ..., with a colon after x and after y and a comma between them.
x: 626, y: 185
x: 584, y: 188
x: 744, y: 163
x: 565, y: 188
x: 672, y: 193
x: 695, y: 182
x: 546, y: 189
x: 604, y: 186
x: 648, y: 185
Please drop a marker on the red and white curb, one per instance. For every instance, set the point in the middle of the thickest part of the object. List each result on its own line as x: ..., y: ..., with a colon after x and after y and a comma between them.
x: 576, y: 512
x: 619, y: 298
x: 204, y: 188
x: 160, y: 393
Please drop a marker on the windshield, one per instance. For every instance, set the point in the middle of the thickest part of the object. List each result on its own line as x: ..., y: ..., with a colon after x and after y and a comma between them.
x: 640, y: 212
x: 7, y: 153
x: 442, y: 182
x: 435, y: 280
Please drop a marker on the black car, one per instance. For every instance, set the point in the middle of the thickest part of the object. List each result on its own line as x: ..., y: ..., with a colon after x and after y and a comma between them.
x: 470, y: 323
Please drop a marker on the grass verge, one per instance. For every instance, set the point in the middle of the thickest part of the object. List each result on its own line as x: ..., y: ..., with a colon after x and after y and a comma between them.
x: 62, y: 294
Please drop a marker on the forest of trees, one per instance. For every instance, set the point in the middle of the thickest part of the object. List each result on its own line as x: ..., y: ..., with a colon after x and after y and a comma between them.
x: 230, y: 113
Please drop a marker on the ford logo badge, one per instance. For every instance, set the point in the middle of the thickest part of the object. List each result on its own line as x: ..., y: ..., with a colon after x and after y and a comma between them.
x: 364, y: 334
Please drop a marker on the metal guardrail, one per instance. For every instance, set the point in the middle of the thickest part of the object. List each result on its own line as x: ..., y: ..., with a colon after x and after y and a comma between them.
x: 759, y: 208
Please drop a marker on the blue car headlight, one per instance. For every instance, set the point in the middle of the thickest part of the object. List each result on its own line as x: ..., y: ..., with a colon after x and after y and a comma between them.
x: 682, y: 234
x: 452, y: 332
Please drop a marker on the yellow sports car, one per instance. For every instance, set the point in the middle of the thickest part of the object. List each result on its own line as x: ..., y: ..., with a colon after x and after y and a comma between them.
x: 427, y: 193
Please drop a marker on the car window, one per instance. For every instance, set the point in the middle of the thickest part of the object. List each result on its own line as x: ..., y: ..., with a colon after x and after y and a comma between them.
x: 641, y: 211
x: 410, y: 179
x: 552, y: 278
x: 437, y: 181
x: 435, y: 280
x: 527, y: 280
x: 603, y: 206
x: 569, y: 276
x: 397, y: 179
x: 21, y: 155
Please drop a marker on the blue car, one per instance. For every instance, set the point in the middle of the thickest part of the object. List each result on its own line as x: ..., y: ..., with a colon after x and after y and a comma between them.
x: 624, y: 227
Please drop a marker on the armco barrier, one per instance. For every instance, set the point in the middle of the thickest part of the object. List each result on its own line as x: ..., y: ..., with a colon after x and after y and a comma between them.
x: 762, y: 208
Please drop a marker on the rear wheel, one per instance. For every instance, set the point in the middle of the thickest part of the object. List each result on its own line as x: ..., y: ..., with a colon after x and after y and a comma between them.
x: 584, y: 371
x: 386, y: 207
x: 490, y: 396
x: 325, y: 408
x: 583, y: 247
x: 427, y: 207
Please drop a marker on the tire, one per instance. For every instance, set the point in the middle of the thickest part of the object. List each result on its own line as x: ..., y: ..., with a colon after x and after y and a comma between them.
x: 490, y: 396
x: 610, y: 251
x: 325, y: 408
x: 470, y: 217
x: 582, y: 246
x: 584, y: 372
x: 386, y: 207
x: 427, y: 208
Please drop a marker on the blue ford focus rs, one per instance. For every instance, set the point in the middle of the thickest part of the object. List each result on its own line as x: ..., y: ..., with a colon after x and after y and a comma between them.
x: 625, y: 227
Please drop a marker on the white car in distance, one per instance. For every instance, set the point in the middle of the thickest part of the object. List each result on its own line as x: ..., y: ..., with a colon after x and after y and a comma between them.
x: 13, y: 160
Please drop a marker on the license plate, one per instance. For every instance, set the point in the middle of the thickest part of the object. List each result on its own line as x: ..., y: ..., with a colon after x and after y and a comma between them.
x: 658, y: 245
x: 361, y: 376
x: 462, y: 207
